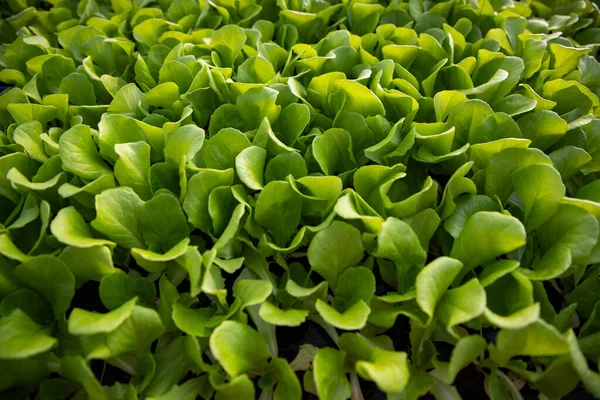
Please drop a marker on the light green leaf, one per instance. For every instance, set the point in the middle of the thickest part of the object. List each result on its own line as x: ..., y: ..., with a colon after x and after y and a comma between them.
x: 28, y: 136
x: 250, y: 165
x: 238, y: 348
x: 70, y: 228
x: 20, y: 337
x: 572, y: 227
x: 79, y: 154
x: 195, y: 203
x: 540, y: 188
x: 466, y: 351
x: 50, y: 277
x: 462, y: 304
x: 434, y: 280
x: 537, y: 339
x: 487, y: 235
x: 117, y: 213
x: 399, y: 243
x: 185, y: 141
x: 162, y: 222
x: 334, y: 249
x: 131, y: 169
x: 278, y: 209
x: 83, y: 322
x: 91, y: 263
x: 276, y: 316
x: 330, y: 375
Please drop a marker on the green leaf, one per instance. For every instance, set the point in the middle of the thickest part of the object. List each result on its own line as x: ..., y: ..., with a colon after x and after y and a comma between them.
x: 330, y: 375
x: 333, y: 151
x: 353, y: 318
x: 585, y: 295
x: 221, y: 150
x: 467, y: 350
x: 433, y: 281
x: 28, y: 301
x: 188, y: 390
x: 79, y: 88
x: 273, y: 315
x: 571, y: 227
x: 70, y: 228
x: 185, y: 141
x: 82, y: 322
x: 238, y: 348
x: 76, y: 369
x: 132, y: 167
x: 388, y: 369
x: 515, y: 104
x: 228, y: 42
x: 540, y: 188
x: 162, y: 222
x: 466, y: 206
x: 163, y: 95
x: 255, y: 69
x: 499, y: 171
x: 91, y: 263
x: 291, y: 123
x: 353, y: 292
x: 79, y: 154
x: 334, y: 249
x: 50, y: 277
x: 510, y: 302
x: 536, y: 339
x: 487, y: 235
x: 24, y: 164
x: 131, y: 335
x: 287, y: 386
x: 462, y: 304
x: 399, y: 243
x: 28, y: 136
x: 21, y: 338
x: 553, y: 263
x: 195, y: 203
x: 250, y: 165
x: 257, y: 104
x: 590, y: 379
x: 117, y: 288
x: 278, y: 209
x: 565, y: 59
x: 155, y: 262
x: 543, y: 128
x: 127, y: 101
x: 285, y: 164
x: 117, y: 213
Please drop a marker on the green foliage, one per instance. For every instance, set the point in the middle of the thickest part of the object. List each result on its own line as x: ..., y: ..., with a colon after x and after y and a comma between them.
x: 185, y: 184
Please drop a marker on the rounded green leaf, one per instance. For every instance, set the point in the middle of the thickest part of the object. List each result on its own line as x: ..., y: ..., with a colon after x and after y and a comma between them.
x: 462, y: 304
x: 572, y: 227
x: 487, y: 235
x: 79, y: 154
x: 353, y: 318
x: 334, y: 249
x: 278, y: 209
x: 21, y: 338
x: 249, y: 166
x: 540, y: 188
x: 117, y: 213
x: 238, y: 348
x: 50, y: 277
x: 330, y: 375
x: 434, y: 280
x: 274, y: 315
x: 83, y: 322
